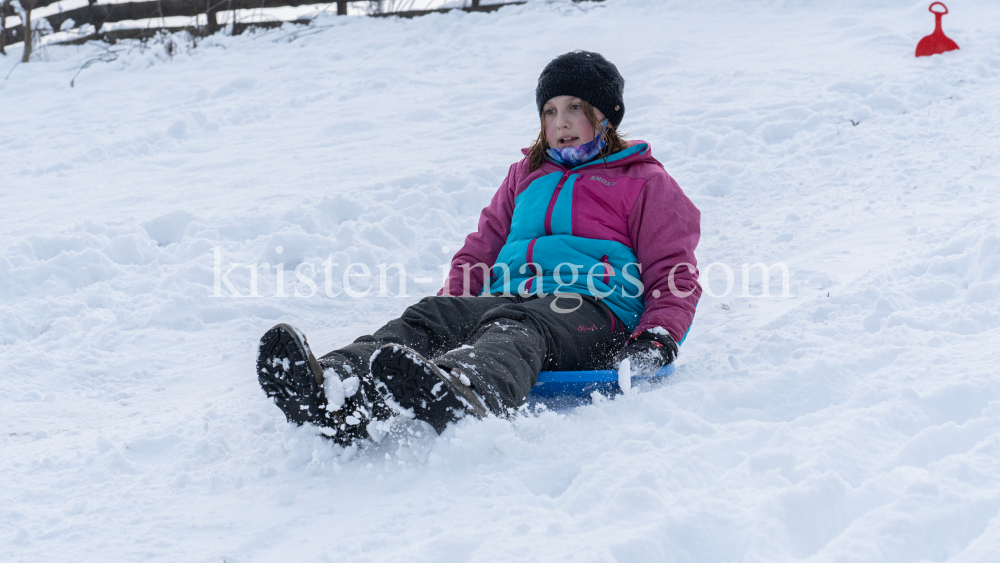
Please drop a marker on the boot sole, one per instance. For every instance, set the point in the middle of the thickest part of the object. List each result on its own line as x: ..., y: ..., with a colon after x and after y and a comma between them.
x: 416, y: 383
x: 289, y: 374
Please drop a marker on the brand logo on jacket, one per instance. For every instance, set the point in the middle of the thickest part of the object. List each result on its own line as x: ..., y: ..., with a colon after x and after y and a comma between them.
x: 583, y: 328
x: 603, y: 181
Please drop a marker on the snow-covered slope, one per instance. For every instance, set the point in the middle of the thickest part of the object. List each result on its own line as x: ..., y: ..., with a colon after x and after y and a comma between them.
x: 856, y: 419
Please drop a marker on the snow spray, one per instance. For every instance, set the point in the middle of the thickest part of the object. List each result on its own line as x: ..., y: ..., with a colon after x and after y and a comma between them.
x: 625, y: 376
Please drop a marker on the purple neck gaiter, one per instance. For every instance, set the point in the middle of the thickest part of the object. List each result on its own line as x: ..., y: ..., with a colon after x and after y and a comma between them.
x: 572, y: 157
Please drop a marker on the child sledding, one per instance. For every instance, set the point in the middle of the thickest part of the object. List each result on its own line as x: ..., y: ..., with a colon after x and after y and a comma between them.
x: 583, y: 258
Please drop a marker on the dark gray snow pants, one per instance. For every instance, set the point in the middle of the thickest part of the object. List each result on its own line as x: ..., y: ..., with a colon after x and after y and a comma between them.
x: 500, y: 343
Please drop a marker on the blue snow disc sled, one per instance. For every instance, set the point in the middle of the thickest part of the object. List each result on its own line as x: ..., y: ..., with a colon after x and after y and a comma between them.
x: 583, y: 383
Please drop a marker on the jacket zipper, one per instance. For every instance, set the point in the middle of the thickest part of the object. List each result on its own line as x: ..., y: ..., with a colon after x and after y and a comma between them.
x: 552, y: 202
x: 529, y: 256
x: 607, y: 268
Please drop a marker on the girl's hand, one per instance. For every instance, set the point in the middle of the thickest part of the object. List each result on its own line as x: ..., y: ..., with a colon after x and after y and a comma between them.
x: 648, y: 352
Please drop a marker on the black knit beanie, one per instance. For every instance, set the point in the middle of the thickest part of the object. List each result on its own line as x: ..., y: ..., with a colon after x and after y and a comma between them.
x: 587, y: 76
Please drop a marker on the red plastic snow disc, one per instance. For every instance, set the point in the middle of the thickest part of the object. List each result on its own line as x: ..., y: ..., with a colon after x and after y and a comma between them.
x: 937, y: 42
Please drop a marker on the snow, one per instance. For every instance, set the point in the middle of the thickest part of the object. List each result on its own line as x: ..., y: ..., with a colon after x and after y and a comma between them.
x: 625, y: 376
x: 855, y: 419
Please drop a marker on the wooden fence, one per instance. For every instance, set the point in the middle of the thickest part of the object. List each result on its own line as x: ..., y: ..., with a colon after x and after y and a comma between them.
x: 98, y: 15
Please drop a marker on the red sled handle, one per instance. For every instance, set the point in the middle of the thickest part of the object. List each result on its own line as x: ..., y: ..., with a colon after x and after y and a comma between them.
x: 931, y: 9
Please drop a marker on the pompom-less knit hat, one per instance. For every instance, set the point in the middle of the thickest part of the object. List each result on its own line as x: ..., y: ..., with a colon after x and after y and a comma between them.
x: 587, y: 76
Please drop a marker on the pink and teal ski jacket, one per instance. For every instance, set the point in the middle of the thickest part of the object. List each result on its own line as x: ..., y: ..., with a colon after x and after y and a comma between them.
x: 619, y: 229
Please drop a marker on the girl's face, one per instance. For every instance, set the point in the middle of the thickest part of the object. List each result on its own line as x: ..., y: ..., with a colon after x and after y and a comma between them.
x: 565, y: 123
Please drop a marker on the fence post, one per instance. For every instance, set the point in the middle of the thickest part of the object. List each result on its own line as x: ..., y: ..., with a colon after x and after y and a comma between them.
x: 475, y: 3
x: 341, y: 7
x: 23, y: 9
x: 3, y: 26
x: 97, y: 24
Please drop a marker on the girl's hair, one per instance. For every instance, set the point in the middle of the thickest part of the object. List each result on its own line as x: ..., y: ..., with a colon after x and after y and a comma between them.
x: 613, y: 142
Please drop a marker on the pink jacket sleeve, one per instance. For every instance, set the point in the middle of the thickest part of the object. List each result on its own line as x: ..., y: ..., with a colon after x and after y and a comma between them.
x: 482, y: 247
x: 664, y: 226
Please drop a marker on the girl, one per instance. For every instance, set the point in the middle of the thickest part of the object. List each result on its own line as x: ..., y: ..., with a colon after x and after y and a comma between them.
x: 588, y: 246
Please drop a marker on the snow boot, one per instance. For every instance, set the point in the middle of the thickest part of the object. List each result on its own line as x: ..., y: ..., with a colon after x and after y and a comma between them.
x: 289, y: 373
x: 353, y: 400
x: 435, y: 395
